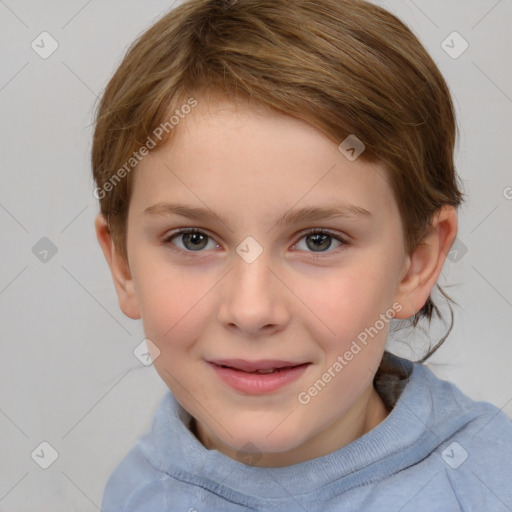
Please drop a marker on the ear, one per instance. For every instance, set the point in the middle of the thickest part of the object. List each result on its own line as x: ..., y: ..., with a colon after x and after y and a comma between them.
x: 120, y: 270
x: 424, y: 265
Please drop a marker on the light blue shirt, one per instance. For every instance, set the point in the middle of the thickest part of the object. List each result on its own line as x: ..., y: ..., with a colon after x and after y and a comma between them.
x: 437, y: 451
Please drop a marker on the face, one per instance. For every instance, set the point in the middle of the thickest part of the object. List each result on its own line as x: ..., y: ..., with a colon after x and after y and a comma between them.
x: 255, y: 280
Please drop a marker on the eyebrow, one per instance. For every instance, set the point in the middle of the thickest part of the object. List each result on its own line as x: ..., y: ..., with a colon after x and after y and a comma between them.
x: 310, y: 213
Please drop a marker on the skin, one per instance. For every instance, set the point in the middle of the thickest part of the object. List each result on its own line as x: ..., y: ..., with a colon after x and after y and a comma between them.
x: 251, y: 165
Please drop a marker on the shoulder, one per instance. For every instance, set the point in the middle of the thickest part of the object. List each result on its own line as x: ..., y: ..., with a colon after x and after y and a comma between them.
x: 131, y: 479
x: 480, y: 426
x: 474, y: 454
x: 475, y: 464
x: 459, y: 449
x: 137, y: 486
x: 143, y: 480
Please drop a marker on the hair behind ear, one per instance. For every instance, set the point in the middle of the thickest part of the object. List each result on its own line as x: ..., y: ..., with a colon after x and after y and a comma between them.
x: 427, y: 311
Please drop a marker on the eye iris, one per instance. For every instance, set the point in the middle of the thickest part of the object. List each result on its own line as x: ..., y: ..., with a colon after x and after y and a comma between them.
x: 318, y: 240
x: 198, y: 240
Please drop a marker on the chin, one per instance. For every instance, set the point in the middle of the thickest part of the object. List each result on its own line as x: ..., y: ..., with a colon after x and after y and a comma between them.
x: 266, y: 439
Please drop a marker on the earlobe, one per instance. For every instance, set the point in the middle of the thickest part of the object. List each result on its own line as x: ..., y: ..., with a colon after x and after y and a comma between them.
x: 426, y: 262
x: 120, y: 270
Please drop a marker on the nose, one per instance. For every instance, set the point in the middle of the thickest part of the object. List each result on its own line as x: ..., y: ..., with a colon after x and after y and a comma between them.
x: 253, y: 300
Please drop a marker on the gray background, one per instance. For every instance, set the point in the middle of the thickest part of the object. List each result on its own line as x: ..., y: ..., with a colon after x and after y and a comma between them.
x: 68, y: 375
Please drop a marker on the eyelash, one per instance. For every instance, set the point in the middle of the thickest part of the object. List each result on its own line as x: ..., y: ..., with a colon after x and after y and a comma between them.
x: 313, y: 231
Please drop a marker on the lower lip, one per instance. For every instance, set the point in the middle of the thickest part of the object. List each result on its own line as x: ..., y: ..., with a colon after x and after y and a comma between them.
x: 258, y: 383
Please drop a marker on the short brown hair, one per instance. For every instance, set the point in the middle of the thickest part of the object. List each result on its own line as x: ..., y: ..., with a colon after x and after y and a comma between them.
x: 344, y: 66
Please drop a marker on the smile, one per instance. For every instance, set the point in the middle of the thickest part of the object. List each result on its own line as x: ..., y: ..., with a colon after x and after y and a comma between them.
x: 254, y: 380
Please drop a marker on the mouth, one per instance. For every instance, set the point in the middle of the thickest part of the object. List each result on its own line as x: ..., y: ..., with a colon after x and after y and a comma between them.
x: 262, y: 366
x: 258, y: 377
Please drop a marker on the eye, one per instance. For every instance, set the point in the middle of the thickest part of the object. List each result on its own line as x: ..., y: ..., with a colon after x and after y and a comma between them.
x: 192, y: 240
x: 320, y: 240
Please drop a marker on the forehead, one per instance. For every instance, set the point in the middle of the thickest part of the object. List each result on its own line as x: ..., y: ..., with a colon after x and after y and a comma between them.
x: 238, y: 158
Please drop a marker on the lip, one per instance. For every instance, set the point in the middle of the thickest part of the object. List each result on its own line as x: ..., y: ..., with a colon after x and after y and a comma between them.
x: 260, y: 383
x: 251, y: 366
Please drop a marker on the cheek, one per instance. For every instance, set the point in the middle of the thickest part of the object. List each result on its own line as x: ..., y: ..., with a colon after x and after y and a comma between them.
x: 343, y: 303
x: 172, y: 304
x: 174, y: 312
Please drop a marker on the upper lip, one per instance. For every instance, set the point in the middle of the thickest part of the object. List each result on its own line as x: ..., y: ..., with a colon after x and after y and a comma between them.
x: 251, y: 366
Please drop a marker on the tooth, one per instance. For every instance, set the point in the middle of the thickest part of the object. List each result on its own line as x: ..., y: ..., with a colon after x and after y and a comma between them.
x: 271, y: 370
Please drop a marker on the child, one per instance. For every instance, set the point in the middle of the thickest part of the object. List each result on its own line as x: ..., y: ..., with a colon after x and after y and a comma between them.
x: 276, y: 184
